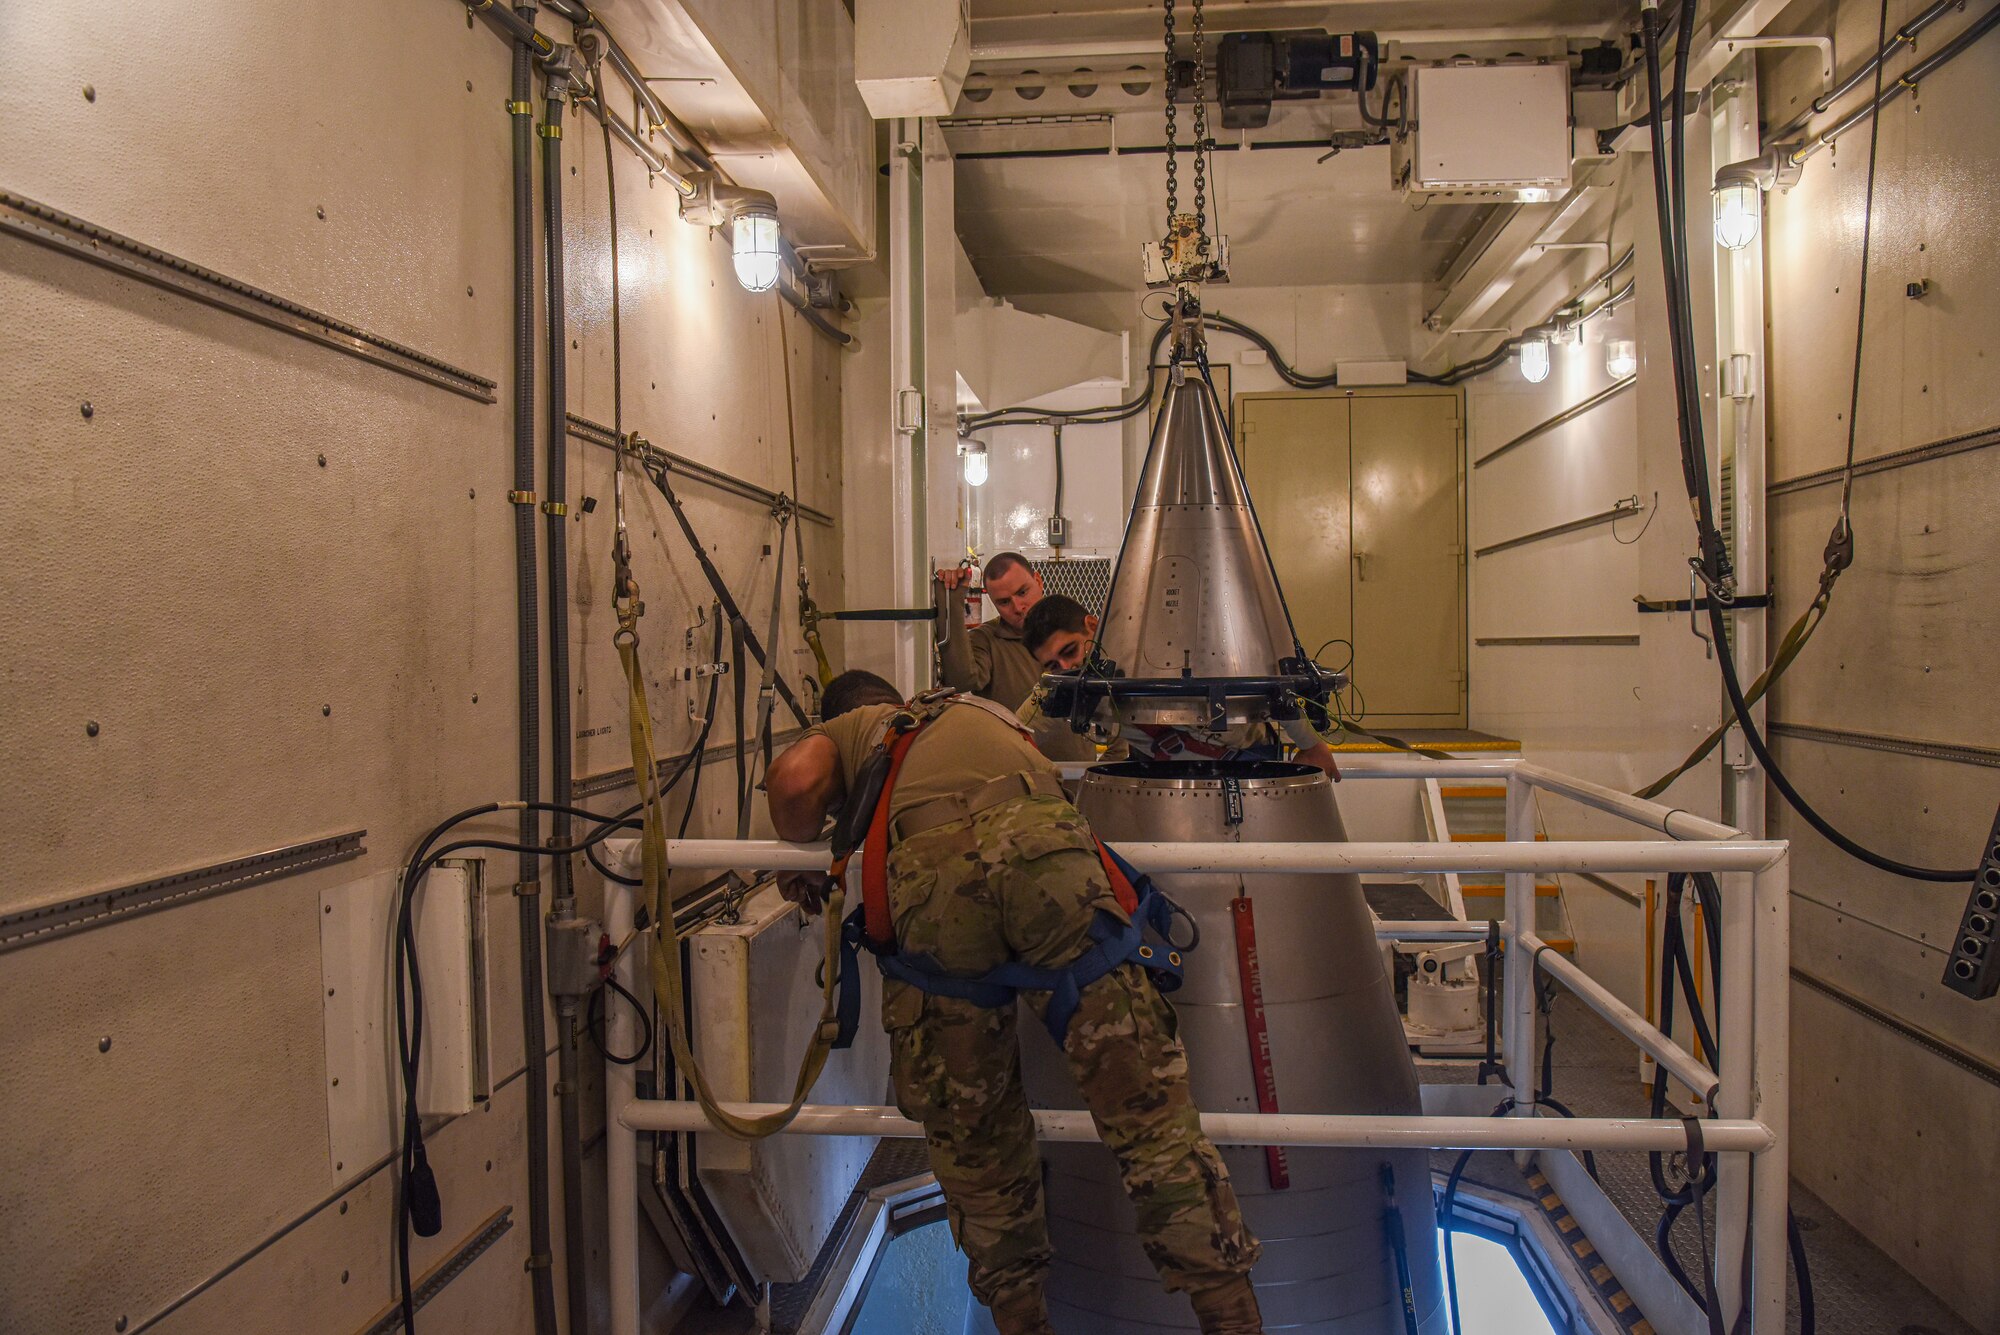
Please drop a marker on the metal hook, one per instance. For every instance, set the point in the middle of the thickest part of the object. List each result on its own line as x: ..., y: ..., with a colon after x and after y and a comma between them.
x: 1694, y: 616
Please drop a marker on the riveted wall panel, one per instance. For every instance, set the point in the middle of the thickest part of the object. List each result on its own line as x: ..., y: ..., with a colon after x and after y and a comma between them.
x: 1904, y: 652
x: 260, y: 591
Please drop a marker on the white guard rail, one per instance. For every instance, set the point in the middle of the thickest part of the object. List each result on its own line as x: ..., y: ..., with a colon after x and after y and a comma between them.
x: 1748, y: 1097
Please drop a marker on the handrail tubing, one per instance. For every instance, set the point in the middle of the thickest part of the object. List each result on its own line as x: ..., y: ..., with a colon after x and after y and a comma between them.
x: 1351, y: 1131
x: 1166, y: 858
x: 1696, y: 1075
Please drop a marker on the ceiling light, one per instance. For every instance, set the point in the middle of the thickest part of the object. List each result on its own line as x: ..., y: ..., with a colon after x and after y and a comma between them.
x: 972, y: 460
x: 1621, y: 358
x: 1535, y: 356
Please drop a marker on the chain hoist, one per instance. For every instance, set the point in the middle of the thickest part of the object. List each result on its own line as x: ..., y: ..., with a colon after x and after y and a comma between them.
x: 1186, y: 254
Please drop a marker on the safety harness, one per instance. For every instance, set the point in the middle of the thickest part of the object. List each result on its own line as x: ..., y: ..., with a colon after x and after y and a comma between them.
x: 864, y: 826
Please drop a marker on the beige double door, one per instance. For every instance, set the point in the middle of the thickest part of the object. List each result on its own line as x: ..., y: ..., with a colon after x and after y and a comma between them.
x: 1361, y: 496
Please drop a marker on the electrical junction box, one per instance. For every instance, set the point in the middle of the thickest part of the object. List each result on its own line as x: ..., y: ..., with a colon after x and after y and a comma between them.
x: 1371, y: 373
x: 1485, y: 132
x: 911, y: 56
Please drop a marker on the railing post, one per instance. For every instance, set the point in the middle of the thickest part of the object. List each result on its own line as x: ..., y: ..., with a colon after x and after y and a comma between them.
x: 1771, y: 890
x: 1518, y: 1033
x: 1741, y: 1040
x: 621, y: 1142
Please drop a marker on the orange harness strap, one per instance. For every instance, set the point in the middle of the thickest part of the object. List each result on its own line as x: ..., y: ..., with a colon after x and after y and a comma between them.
x: 875, y: 849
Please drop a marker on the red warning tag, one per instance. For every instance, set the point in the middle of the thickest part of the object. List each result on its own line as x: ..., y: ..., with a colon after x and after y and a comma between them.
x: 1259, y: 1034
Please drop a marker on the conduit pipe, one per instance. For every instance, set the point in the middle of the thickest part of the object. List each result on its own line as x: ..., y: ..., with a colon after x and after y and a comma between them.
x: 1323, y: 1129
x: 561, y: 740
x: 528, y: 683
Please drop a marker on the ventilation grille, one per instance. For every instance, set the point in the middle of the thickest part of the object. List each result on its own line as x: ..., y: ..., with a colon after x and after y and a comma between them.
x: 1084, y: 578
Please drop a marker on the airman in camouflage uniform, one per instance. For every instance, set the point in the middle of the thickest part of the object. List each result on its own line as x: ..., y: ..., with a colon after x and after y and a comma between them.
x: 1020, y: 880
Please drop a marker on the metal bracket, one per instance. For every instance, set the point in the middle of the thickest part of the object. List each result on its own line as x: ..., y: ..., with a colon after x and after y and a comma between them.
x: 46, y: 922
x: 909, y: 411
x: 555, y: 508
x: 521, y: 497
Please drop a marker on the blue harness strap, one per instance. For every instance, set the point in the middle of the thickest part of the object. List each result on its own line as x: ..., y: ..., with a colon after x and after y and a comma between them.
x: 1113, y: 944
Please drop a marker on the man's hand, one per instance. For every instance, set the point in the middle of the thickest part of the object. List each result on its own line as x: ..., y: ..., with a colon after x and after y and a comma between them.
x: 955, y: 577
x: 807, y: 889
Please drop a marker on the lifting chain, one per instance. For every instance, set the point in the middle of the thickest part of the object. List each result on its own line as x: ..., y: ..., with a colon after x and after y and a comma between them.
x: 1173, y: 134
x: 1185, y: 250
x: 1200, y: 134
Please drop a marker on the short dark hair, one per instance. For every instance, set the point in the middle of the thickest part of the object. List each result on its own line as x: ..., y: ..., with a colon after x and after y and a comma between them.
x: 1004, y: 562
x: 853, y: 689
x: 1053, y: 613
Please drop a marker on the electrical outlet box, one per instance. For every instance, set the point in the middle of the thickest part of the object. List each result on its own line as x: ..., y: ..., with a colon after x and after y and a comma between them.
x: 1494, y: 132
x: 1058, y: 531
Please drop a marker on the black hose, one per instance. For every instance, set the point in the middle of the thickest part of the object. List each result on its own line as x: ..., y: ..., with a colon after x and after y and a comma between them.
x: 1057, y: 428
x: 1713, y: 563
x: 528, y: 677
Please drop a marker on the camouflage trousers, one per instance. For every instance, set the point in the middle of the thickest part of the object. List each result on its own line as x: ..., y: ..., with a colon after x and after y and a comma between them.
x: 1022, y: 881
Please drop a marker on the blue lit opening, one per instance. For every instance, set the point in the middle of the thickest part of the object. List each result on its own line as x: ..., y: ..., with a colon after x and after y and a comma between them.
x: 1495, y: 1296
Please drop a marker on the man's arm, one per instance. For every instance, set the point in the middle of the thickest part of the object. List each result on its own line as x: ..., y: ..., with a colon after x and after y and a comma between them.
x: 1313, y: 749
x: 968, y: 658
x: 802, y: 785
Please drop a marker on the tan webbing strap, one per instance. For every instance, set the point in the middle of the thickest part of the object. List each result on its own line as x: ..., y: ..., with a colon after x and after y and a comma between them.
x: 1788, y: 649
x: 666, y: 952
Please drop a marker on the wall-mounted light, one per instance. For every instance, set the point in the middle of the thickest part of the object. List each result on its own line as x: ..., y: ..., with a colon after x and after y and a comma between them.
x: 1535, y: 355
x: 1739, y: 194
x: 1621, y: 358
x: 752, y: 219
x: 753, y: 229
x: 1739, y: 205
x: 972, y: 461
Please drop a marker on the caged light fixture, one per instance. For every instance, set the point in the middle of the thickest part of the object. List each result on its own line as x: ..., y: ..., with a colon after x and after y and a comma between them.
x: 752, y: 219
x: 973, y: 461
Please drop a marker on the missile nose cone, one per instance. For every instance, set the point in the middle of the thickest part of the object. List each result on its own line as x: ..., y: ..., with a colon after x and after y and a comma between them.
x: 1194, y: 593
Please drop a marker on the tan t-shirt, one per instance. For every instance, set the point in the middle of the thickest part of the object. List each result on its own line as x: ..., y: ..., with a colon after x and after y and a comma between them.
x: 963, y: 748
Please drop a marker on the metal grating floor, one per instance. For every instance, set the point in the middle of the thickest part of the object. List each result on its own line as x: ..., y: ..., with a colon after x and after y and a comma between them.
x: 1857, y: 1289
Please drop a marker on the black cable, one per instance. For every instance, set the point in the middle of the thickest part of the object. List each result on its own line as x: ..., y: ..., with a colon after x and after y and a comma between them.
x: 593, y: 1021
x: 1057, y: 428
x: 1713, y: 563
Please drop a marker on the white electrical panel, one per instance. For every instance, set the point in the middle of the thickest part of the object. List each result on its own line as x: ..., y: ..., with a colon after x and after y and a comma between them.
x: 357, y: 949
x: 1497, y: 132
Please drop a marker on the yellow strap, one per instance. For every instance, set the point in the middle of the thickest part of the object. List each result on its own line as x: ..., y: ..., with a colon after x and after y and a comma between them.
x: 1788, y: 649
x: 820, y: 663
x: 666, y: 952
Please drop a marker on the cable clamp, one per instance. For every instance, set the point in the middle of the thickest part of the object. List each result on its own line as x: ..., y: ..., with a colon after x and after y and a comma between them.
x: 539, y: 1261
x: 519, y: 108
x: 521, y: 497
x: 556, y: 508
x: 551, y: 130
x: 524, y: 889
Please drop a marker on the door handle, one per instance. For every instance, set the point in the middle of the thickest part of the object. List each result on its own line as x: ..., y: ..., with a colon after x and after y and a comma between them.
x: 1360, y: 560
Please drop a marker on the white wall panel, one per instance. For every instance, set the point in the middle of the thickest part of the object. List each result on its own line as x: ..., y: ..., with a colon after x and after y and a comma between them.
x: 1905, y: 649
x: 277, y: 648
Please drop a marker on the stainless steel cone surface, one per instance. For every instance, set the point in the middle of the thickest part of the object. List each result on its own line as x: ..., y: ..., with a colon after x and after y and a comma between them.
x: 1194, y: 592
x: 1332, y: 1043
